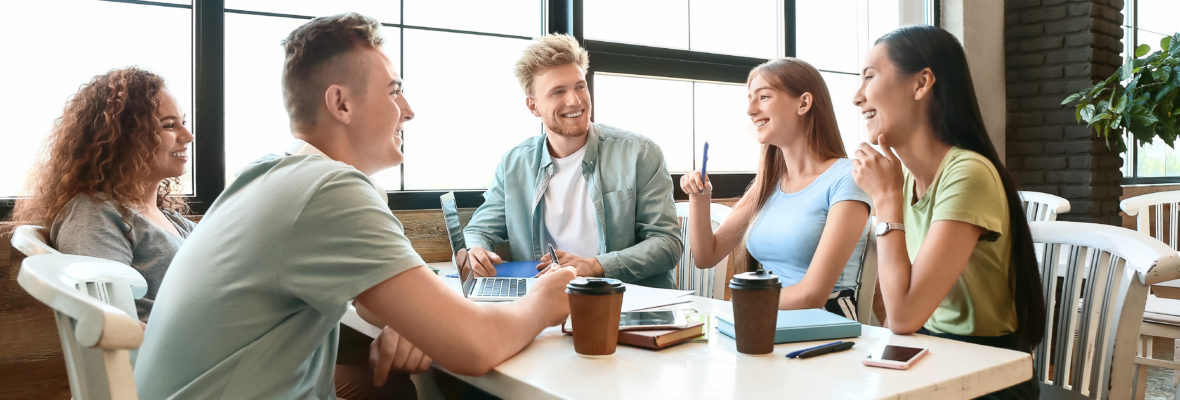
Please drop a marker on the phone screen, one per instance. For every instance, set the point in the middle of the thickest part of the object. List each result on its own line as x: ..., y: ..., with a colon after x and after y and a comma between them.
x: 647, y: 318
x: 899, y: 353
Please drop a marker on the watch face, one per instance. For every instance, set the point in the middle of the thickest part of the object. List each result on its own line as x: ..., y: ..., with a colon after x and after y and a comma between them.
x: 881, y: 227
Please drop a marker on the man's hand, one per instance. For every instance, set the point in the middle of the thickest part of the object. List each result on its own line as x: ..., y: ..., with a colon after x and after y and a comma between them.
x: 483, y: 262
x: 392, y: 352
x: 588, y: 266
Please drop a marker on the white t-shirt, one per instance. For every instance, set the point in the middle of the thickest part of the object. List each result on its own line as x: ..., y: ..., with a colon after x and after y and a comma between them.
x: 569, y: 212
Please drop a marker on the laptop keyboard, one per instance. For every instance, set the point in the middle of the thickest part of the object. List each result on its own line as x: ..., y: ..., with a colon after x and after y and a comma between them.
x: 501, y: 287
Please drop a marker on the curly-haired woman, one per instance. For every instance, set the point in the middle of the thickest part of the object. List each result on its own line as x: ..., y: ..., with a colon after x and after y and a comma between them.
x: 104, y: 181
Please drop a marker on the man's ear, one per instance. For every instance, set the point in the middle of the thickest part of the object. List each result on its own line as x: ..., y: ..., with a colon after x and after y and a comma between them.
x: 338, y: 103
x: 532, y: 105
x: 805, y: 102
x: 925, y: 84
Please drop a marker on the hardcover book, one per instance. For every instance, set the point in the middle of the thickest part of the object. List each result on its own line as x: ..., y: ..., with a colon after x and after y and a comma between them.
x: 802, y: 326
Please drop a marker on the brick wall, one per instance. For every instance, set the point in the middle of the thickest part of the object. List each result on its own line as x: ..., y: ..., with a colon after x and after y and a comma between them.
x: 1052, y: 49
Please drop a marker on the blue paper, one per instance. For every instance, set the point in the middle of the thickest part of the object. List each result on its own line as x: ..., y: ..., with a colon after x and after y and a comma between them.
x: 513, y: 269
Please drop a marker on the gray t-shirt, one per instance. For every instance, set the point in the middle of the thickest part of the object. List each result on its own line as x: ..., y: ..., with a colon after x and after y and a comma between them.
x: 251, y: 306
x: 94, y: 226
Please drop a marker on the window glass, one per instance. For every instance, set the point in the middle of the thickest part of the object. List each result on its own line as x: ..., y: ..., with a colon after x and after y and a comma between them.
x: 509, y: 17
x: 828, y: 34
x: 738, y: 27
x: 1157, y: 17
x: 660, y: 109
x: 656, y: 23
x: 388, y: 11
x: 722, y: 120
x: 44, y: 66
x: 467, y: 113
x: 852, y: 126
x: 256, y: 120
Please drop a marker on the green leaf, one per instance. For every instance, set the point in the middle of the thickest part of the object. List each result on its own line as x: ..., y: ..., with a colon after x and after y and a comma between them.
x: 1166, y: 43
x: 1142, y: 50
x: 1087, y: 113
x: 1072, y: 98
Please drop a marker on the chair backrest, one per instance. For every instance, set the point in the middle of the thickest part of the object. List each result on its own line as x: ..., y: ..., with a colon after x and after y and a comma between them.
x: 866, y: 286
x: 32, y: 240
x: 1042, y: 206
x: 96, y: 337
x: 1095, y: 281
x: 1155, y: 214
x: 706, y: 282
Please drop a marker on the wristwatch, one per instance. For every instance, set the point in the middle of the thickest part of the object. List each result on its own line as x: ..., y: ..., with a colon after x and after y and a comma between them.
x: 884, y: 227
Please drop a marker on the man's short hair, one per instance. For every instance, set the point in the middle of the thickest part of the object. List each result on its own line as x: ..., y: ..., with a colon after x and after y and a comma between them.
x: 317, y: 56
x: 546, y: 52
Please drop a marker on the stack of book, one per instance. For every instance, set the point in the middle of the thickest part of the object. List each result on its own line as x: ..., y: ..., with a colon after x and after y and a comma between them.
x: 802, y: 326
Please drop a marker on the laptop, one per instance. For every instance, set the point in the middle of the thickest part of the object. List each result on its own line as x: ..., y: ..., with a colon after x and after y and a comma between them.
x: 482, y: 288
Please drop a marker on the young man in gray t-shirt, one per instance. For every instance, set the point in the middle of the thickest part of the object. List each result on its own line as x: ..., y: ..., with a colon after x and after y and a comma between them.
x: 251, y: 304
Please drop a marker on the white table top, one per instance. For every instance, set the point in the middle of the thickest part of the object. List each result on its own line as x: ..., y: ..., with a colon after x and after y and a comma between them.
x: 549, y: 368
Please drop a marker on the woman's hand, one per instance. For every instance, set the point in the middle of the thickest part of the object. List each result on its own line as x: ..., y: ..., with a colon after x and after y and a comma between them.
x: 696, y: 188
x: 879, y: 175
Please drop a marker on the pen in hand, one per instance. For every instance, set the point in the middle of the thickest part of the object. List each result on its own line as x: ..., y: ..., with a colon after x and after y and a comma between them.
x: 552, y: 260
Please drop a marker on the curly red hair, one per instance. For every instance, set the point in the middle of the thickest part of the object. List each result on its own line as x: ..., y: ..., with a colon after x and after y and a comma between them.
x: 103, y: 142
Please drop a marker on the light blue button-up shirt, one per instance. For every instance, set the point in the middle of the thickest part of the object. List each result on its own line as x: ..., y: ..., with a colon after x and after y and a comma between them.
x: 638, y: 235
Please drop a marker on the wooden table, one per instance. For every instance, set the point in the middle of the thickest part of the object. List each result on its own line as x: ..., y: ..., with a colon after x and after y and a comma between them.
x: 549, y: 368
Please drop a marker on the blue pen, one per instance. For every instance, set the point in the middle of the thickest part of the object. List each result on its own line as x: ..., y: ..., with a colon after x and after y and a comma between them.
x: 838, y: 345
x: 704, y: 163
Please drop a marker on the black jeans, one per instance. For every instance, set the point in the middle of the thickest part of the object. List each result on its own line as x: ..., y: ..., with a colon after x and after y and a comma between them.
x: 1029, y: 389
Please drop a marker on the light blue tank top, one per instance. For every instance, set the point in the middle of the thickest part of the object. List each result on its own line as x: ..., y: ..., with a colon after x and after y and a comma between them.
x: 787, y: 229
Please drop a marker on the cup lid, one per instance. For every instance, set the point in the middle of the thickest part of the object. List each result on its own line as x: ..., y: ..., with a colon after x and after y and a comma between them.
x: 754, y: 280
x: 595, y: 286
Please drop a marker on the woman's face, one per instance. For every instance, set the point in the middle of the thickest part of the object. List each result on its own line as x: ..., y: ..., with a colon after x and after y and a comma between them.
x: 777, y: 115
x: 886, y: 97
x: 171, y: 154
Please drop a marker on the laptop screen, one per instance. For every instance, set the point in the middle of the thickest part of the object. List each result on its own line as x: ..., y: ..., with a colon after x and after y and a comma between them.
x: 450, y: 213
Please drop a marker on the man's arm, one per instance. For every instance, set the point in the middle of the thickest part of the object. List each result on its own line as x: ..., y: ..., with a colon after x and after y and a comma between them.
x: 462, y: 336
x: 658, y: 242
x: 488, y: 228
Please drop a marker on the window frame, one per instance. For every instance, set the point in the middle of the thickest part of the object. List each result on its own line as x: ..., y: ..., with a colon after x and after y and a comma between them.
x: 559, y: 16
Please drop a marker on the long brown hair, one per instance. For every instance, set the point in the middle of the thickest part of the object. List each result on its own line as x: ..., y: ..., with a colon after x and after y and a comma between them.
x: 795, y: 77
x: 104, y: 141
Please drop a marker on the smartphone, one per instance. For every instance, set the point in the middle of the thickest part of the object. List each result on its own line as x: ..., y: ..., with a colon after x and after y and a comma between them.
x: 656, y: 319
x: 896, y: 357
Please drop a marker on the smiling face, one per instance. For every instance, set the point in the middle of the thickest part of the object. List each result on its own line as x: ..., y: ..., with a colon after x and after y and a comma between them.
x: 778, y: 116
x: 377, y: 120
x: 889, y: 100
x: 562, y: 101
x: 171, y: 153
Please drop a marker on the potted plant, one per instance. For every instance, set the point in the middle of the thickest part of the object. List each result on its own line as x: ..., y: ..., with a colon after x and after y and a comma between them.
x: 1141, y: 97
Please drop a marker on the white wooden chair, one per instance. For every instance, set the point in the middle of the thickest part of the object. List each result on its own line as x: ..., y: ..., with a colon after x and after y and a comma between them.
x: 32, y: 240
x: 96, y: 337
x: 1156, y: 215
x: 1040, y: 206
x: 866, y: 285
x: 706, y: 282
x: 1092, y: 315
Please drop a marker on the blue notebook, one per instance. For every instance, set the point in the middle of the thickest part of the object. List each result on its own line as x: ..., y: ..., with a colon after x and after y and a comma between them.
x: 513, y: 269
x: 802, y: 326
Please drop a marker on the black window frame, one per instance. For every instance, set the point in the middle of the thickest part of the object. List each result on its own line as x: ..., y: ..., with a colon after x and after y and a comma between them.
x: 558, y: 16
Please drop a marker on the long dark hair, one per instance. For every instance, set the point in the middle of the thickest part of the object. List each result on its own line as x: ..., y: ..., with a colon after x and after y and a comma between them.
x: 956, y: 119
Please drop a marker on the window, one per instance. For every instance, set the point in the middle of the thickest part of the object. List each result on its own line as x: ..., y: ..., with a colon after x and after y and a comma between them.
x: 51, y: 54
x: 1148, y: 21
x: 673, y: 70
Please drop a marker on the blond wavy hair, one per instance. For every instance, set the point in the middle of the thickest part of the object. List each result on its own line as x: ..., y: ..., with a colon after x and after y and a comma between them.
x: 547, y: 52
x: 104, y: 142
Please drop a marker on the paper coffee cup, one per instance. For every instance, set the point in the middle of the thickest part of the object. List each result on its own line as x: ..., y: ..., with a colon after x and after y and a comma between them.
x: 595, y: 305
x: 755, y: 310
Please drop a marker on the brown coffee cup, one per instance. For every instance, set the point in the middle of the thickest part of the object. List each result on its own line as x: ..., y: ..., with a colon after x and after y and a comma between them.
x: 595, y: 305
x: 755, y: 310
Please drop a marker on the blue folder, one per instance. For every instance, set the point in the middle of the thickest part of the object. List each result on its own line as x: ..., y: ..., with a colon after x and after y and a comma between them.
x: 802, y: 326
x: 513, y: 269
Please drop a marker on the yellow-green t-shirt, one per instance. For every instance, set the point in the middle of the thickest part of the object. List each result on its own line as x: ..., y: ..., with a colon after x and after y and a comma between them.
x: 967, y: 188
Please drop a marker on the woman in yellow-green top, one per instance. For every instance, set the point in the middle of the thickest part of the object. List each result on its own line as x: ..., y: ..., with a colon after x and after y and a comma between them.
x: 955, y: 257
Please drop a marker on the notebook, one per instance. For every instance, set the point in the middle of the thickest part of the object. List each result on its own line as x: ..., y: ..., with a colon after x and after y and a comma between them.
x: 802, y: 326
x: 475, y: 288
x: 661, y: 338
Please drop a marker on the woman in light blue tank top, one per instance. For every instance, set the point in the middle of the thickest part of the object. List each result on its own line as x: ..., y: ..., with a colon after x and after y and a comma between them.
x: 805, y: 217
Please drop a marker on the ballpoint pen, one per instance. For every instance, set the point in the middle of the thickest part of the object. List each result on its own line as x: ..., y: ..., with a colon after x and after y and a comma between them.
x: 821, y: 349
x: 552, y: 260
